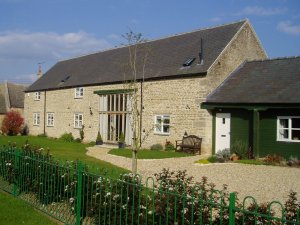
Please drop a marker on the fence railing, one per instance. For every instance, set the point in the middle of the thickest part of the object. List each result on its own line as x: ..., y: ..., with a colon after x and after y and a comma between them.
x: 73, y: 195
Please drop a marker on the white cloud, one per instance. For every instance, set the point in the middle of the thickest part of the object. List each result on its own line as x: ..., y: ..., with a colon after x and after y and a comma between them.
x: 289, y: 28
x: 114, y: 37
x: 260, y: 11
x: 216, y: 19
x: 18, y: 45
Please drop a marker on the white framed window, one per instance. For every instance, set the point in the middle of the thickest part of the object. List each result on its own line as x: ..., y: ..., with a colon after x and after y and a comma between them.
x: 162, y: 124
x: 50, y: 119
x: 288, y: 128
x: 37, y: 96
x: 79, y: 92
x: 36, y: 119
x: 78, y: 120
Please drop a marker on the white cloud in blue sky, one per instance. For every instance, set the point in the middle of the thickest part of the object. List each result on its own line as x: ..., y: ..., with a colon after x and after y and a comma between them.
x: 289, y: 28
x: 48, y: 45
x: 260, y: 11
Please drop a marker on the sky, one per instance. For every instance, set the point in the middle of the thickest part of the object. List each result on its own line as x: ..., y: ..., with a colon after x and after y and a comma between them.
x: 34, y: 32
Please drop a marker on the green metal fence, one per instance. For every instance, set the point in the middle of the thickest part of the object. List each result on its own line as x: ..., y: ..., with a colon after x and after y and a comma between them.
x: 73, y: 195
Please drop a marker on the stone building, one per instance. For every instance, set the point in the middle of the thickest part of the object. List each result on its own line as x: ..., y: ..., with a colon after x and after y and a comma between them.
x: 11, y: 98
x: 180, y: 71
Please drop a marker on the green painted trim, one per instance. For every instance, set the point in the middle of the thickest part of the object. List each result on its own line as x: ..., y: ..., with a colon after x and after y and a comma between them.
x: 115, y: 91
x: 214, y: 133
x: 248, y: 106
x: 256, y: 132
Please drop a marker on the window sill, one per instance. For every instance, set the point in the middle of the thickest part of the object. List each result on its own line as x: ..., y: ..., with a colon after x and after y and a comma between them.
x: 78, y: 97
x: 37, y: 100
x: 50, y: 125
x: 289, y: 141
x: 162, y: 134
x: 36, y: 125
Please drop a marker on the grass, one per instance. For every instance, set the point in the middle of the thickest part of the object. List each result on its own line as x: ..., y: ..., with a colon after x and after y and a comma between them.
x: 70, y: 151
x: 203, y: 161
x: 251, y: 162
x: 148, y: 154
x: 14, y: 211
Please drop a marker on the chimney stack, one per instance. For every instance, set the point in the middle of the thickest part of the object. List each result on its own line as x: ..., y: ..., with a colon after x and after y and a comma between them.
x: 201, y: 60
x: 40, y: 73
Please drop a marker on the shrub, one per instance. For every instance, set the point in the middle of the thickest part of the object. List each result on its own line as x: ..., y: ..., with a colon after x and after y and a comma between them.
x: 67, y: 137
x: 42, y: 135
x: 78, y: 140
x: 25, y: 130
x: 212, y: 159
x: 156, y: 147
x: 273, y: 159
x: 223, y: 155
x: 81, y: 133
x: 240, y: 148
x: 12, y: 123
x: 169, y: 146
x: 293, y: 161
x: 122, y: 138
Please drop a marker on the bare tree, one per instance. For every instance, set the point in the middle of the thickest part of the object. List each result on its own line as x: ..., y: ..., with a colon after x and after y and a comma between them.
x: 138, y: 55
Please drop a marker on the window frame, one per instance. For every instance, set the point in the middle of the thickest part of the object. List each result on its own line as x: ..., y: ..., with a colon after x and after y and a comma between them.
x: 163, y: 116
x: 78, y: 114
x: 79, y: 92
x: 36, y: 119
x: 289, y: 128
x: 48, y: 124
x: 37, y: 96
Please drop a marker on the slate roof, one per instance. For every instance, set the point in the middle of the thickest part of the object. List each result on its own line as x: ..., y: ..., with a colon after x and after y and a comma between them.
x: 16, y: 96
x: 266, y: 81
x: 165, y: 59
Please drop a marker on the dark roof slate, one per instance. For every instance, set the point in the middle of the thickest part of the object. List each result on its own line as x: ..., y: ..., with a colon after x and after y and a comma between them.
x: 165, y: 58
x: 15, y: 96
x: 266, y: 81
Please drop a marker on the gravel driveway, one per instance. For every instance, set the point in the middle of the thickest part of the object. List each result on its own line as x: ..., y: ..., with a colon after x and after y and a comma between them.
x: 265, y: 183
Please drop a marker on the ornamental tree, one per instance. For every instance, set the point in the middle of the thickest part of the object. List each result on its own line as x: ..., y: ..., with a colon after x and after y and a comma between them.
x: 12, y: 123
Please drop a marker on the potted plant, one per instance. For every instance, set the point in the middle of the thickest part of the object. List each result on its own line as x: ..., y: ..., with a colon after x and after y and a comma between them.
x: 99, y: 140
x: 122, y: 140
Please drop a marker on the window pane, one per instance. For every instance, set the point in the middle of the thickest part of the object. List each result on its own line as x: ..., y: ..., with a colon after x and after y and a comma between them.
x: 166, y: 128
x: 283, y: 134
x: 283, y: 123
x: 296, y: 123
x: 166, y: 120
x: 295, y: 135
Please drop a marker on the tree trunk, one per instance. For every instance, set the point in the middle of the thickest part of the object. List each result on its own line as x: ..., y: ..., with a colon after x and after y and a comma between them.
x: 134, y: 161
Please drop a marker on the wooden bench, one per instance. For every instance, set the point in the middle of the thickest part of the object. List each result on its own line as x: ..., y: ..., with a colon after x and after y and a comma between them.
x: 189, y: 144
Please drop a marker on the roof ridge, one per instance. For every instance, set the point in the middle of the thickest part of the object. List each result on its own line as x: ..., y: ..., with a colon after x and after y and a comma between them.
x: 273, y: 59
x: 157, y: 39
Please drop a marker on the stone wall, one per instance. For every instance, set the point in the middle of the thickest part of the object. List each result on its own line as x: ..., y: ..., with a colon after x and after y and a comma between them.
x: 180, y: 98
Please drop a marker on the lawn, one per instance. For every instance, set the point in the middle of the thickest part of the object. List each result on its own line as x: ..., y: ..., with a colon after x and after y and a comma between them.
x: 148, y: 154
x: 70, y: 151
x: 14, y: 211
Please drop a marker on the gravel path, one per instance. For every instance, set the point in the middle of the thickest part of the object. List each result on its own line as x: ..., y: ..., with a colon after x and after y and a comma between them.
x: 265, y: 183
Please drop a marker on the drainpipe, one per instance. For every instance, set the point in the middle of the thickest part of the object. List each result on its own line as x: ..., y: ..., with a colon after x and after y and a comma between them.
x: 45, y: 114
x: 256, y: 132
x: 141, y: 113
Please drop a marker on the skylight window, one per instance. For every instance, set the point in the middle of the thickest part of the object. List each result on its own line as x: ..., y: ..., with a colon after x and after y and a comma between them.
x: 188, y: 62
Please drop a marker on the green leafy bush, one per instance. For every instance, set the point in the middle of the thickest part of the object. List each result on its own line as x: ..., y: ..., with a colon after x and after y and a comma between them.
x: 67, y: 137
x: 156, y: 147
x: 169, y: 146
x: 240, y: 148
x: 81, y: 133
x: 212, y: 159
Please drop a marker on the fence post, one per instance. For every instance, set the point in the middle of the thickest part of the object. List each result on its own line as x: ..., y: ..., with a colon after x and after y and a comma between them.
x: 79, y: 193
x: 16, y: 174
x: 232, y: 208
